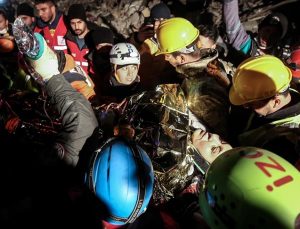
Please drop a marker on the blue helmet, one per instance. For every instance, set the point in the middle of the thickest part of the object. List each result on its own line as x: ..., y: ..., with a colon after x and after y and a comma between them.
x: 121, y: 176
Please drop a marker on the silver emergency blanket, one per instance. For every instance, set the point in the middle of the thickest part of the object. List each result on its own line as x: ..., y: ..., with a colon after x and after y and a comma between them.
x: 28, y: 46
x: 25, y: 39
x: 160, y: 119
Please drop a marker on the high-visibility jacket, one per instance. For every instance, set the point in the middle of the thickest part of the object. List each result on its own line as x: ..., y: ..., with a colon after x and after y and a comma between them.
x: 79, y: 55
x: 55, y: 38
x: 259, y: 137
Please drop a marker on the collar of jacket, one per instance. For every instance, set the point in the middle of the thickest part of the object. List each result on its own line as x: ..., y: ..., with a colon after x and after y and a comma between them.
x: 287, y: 111
x: 193, y: 68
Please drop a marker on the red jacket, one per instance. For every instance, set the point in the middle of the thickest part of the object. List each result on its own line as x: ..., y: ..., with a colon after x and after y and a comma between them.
x: 78, y: 54
x: 54, y: 36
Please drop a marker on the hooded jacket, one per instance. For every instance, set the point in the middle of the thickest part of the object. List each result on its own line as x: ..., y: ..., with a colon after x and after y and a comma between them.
x: 80, y: 54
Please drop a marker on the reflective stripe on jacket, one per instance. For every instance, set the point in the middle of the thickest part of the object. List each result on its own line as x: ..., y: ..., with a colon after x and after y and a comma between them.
x: 287, y: 127
x: 78, y: 55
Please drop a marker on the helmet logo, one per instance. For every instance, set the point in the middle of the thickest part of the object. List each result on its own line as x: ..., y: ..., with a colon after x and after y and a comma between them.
x: 265, y: 167
x: 121, y: 55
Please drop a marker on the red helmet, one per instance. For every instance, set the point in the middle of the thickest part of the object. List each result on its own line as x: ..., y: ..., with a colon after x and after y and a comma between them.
x: 294, y: 63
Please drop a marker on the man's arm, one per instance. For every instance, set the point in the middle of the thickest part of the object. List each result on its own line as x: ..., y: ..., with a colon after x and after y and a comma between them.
x: 78, y: 119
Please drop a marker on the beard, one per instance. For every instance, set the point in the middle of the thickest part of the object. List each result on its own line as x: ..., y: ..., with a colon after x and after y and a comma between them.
x: 78, y: 32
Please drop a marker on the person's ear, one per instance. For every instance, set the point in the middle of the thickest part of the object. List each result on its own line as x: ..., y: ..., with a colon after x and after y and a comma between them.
x: 276, y: 101
x: 182, y: 59
x: 53, y: 9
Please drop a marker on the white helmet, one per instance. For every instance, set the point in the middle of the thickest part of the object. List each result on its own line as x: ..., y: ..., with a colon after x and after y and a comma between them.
x: 124, y: 53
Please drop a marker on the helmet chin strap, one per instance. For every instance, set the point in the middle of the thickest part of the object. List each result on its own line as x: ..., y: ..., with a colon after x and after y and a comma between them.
x: 187, y: 50
x: 116, y: 75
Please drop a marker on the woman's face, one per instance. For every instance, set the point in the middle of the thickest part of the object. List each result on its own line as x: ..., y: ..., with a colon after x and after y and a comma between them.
x: 126, y: 74
x: 209, y: 145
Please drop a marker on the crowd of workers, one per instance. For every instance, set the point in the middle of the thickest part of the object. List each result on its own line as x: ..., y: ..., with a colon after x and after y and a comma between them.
x: 177, y: 126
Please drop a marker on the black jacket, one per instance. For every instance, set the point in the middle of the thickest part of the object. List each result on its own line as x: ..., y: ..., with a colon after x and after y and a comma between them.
x: 78, y: 119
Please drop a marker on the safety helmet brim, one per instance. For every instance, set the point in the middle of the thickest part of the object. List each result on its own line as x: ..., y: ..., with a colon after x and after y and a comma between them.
x: 235, y: 99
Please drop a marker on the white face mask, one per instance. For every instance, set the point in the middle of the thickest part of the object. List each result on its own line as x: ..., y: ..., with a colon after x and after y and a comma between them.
x: 3, y: 31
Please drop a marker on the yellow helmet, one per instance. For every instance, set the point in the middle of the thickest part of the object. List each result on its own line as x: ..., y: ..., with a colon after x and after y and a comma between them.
x: 259, y: 78
x: 175, y: 34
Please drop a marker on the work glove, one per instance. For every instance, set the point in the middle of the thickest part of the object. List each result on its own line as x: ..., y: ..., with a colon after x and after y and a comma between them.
x: 33, y: 46
x: 45, y: 63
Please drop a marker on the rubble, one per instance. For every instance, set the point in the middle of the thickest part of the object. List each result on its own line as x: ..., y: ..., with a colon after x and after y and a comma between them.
x: 126, y: 16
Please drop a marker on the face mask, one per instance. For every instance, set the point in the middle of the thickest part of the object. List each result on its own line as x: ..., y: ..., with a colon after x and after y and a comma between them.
x: 3, y: 31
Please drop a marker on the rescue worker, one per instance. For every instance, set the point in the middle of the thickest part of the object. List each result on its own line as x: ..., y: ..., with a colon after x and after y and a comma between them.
x: 122, y: 170
x: 66, y: 64
x: 206, y: 80
x: 262, y: 85
x: 251, y: 187
x: 123, y: 79
x: 26, y: 12
x: 76, y: 37
x: 51, y: 23
x: 271, y: 34
x: 154, y: 69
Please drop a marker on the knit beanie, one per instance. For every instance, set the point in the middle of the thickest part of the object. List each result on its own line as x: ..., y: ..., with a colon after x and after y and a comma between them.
x: 25, y: 9
x: 160, y: 10
x: 77, y: 11
x: 102, y: 35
